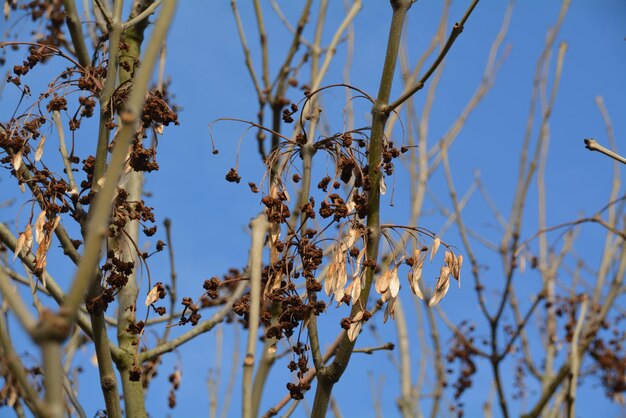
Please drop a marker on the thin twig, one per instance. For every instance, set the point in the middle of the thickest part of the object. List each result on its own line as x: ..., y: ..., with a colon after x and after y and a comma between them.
x: 16, y: 304
x: 259, y: 230
x: 167, y: 223
x: 233, y: 374
x: 201, y: 328
x: 23, y: 280
x: 146, y: 13
x: 332, y: 47
x: 592, y: 145
x: 56, y: 117
x: 438, y: 360
x: 76, y: 33
x: 246, y: 52
x: 288, y: 24
x: 371, y: 350
x: 456, y: 31
x: 67, y: 386
x: 103, y: 8
x: 18, y: 371
x: 405, y: 400
x: 264, y: 46
x: 575, y: 358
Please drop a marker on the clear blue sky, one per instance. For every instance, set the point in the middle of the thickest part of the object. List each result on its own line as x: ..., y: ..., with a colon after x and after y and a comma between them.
x: 210, y: 216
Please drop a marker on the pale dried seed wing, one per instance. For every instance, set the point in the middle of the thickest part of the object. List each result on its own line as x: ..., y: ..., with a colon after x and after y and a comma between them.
x: 459, y: 264
x: 356, y: 289
x: 355, y: 326
x: 442, y: 286
x: 414, y: 278
x: 383, y: 186
x: 434, y: 248
x: 17, y: 161
x: 390, y: 309
x: 449, y: 259
x: 21, y: 240
x: 394, y: 283
x: 153, y: 295
x: 28, y: 232
x: 39, y: 224
x: 382, y: 283
x: 39, y: 150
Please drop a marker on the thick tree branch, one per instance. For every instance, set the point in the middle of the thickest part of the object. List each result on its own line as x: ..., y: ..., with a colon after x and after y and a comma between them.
x: 329, y: 375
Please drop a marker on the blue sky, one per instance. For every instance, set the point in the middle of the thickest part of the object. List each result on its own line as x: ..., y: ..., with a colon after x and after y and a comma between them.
x: 210, y: 216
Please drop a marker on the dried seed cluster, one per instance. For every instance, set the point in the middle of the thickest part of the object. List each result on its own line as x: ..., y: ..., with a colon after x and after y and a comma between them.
x: 297, y: 253
x: 462, y: 351
x: 22, y: 152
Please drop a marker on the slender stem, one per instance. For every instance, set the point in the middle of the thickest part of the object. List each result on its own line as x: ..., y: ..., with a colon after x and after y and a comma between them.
x: 106, y: 372
x: 265, y: 363
x: 102, y: 147
x: 53, y: 376
x: 16, y: 304
x: 575, y: 359
x: 214, y: 380
x: 495, y: 364
x: 143, y: 16
x: 268, y: 357
x: 405, y: 400
x: 332, y: 47
x: 226, y: 401
x: 259, y: 229
x: 592, y: 145
x: 76, y: 33
x: 281, y: 78
x: 201, y: 328
x: 100, y: 213
x: 316, y: 51
x: 439, y: 365
x: 521, y: 326
x: 463, y: 232
x: 307, y: 152
x: 246, y: 52
x: 167, y: 223
x: 56, y: 117
x: 612, y: 218
x: 13, y: 275
x: 308, y: 377
x: 18, y: 371
x: 60, y: 232
x: 67, y: 386
x: 263, y: 42
x: 456, y: 31
x: 512, y: 232
x: 103, y: 8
